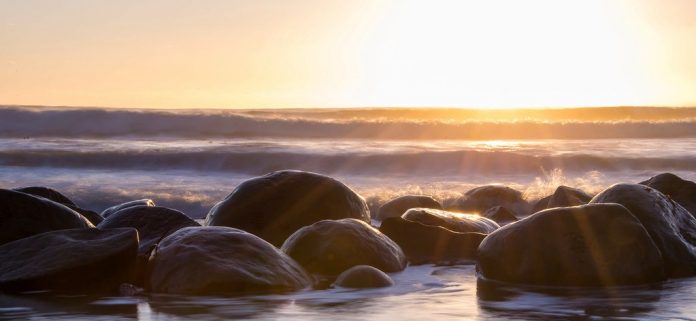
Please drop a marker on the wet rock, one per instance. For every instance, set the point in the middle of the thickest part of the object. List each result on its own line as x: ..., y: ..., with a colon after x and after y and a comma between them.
x: 74, y: 260
x: 222, y: 260
x: 111, y: 210
x: 330, y: 247
x: 399, y: 205
x: 363, y: 276
x: 541, y: 204
x: 480, y: 199
x: 678, y: 189
x: 671, y: 226
x: 153, y: 224
x: 565, y: 196
x: 500, y: 215
x: 589, y: 245
x: 463, y: 223
x: 431, y: 244
x: 277, y: 204
x: 23, y: 215
x: 57, y: 197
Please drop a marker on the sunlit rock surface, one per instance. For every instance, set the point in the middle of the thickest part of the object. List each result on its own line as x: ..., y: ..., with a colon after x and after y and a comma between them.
x: 111, y: 210
x: 463, y: 223
x: 481, y: 198
x: 398, y: 206
x: 363, y: 276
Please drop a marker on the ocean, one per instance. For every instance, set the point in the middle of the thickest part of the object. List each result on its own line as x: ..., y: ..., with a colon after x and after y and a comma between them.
x: 190, y: 159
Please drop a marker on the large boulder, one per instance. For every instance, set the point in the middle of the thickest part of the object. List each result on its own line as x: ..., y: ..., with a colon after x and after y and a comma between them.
x: 363, y: 276
x: 330, y: 247
x: 23, y: 215
x: 678, y: 189
x: 57, y: 197
x: 399, y: 205
x: 153, y: 224
x: 479, y: 199
x: 589, y: 245
x: 74, y: 260
x: 111, y: 210
x: 565, y: 196
x: 277, y: 204
x: 431, y: 244
x: 222, y: 260
x: 500, y: 214
x: 463, y: 223
x: 670, y: 225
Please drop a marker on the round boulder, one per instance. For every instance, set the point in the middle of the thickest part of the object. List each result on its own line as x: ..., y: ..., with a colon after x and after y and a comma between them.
x: 330, y: 247
x: 277, y: 204
x: 500, y: 215
x: 399, y: 205
x: 670, y: 225
x: 462, y: 223
x: 363, y: 276
x: 74, y: 260
x: 678, y: 189
x: 589, y: 245
x: 57, y: 197
x: 23, y: 215
x: 565, y: 196
x: 480, y: 199
x: 222, y: 260
x: 111, y: 210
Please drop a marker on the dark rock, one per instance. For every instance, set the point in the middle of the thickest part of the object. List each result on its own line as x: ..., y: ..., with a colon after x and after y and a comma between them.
x: 565, y: 196
x: 277, y: 204
x: 431, y: 244
x: 500, y: 215
x: 589, y: 245
x: 153, y: 224
x: 479, y: 199
x: 330, y: 247
x: 399, y: 205
x: 671, y: 226
x: 111, y: 210
x: 23, y: 215
x: 363, y: 276
x: 541, y: 204
x: 222, y: 260
x: 74, y: 260
x: 57, y: 197
x: 680, y: 190
x: 463, y: 223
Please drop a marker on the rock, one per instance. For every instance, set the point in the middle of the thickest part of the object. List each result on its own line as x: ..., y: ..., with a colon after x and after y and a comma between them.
x: 399, y: 205
x: 680, y: 190
x: 500, y: 215
x: 588, y: 245
x: 57, y: 197
x: 541, y: 204
x: 277, y: 204
x: 431, y: 244
x: 73, y: 260
x: 363, y: 276
x: 153, y: 224
x: 480, y: 199
x: 463, y: 223
x: 23, y: 215
x: 671, y: 226
x: 222, y: 260
x: 330, y: 247
x: 111, y: 210
x: 565, y: 196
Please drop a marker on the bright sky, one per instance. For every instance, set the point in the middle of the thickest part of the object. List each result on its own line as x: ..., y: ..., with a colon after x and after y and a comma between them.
x: 335, y: 53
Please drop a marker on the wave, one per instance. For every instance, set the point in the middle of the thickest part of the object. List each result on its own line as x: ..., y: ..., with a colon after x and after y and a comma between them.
x: 17, y: 122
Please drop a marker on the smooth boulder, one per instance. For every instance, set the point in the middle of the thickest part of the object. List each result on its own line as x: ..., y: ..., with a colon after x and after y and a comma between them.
x: 399, y: 205
x: 111, y: 210
x: 670, y: 225
x: 500, y: 215
x: 458, y: 222
x: 278, y: 204
x: 680, y: 190
x: 222, y: 260
x: 431, y: 244
x: 23, y: 215
x: 74, y: 260
x: 479, y: 199
x: 362, y: 277
x: 330, y: 247
x: 57, y: 197
x: 565, y: 196
x: 153, y: 224
x: 588, y: 245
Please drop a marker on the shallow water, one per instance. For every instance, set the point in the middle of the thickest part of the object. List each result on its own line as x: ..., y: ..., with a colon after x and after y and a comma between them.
x: 420, y: 293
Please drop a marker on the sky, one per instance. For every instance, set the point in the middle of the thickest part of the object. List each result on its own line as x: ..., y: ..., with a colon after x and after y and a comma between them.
x: 357, y: 53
